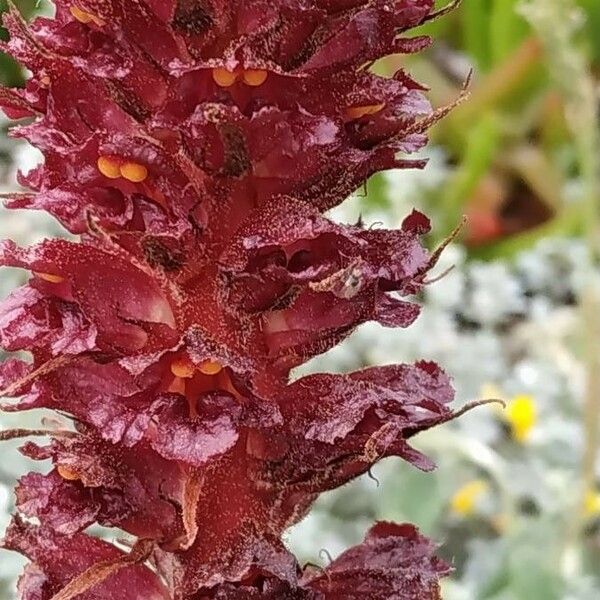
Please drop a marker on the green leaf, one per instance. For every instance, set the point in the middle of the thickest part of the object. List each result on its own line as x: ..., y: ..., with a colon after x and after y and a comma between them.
x: 476, y: 17
x: 592, y: 12
x: 482, y: 144
x: 507, y: 29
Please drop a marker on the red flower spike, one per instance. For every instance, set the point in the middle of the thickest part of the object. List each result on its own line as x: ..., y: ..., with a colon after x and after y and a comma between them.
x: 194, y: 146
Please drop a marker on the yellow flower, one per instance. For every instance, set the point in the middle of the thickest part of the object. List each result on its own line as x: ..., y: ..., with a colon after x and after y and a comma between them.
x: 464, y: 501
x: 592, y: 503
x: 521, y: 415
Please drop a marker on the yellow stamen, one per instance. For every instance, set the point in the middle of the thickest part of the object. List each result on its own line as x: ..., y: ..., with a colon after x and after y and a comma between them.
x: 183, y: 367
x: 109, y: 167
x: 67, y: 473
x: 45, y: 81
x: 49, y: 277
x: 464, y: 501
x: 85, y: 17
x: 357, y: 112
x: 134, y: 172
x: 521, y: 415
x: 255, y: 77
x: 210, y: 367
x: 223, y: 77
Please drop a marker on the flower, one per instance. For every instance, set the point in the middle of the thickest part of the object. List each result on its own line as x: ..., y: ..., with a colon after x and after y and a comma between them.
x: 194, y: 147
x: 592, y: 503
x: 465, y: 500
x: 521, y: 415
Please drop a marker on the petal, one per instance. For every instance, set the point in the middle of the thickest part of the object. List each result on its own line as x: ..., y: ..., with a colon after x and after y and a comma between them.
x: 60, y: 558
x: 394, y: 562
x: 212, y: 432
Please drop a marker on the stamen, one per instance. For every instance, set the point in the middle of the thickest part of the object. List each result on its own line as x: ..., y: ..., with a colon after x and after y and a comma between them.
x: 134, y: 172
x: 192, y: 406
x: 183, y: 367
x: 81, y: 15
x: 255, y: 77
x: 109, y: 167
x: 49, y: 277
x: 177, y: 386
x: 226, y: 384
x: 85, y: 17
x: 357, y: 112
x: 223, y: 77
x: 68, y: 474
x: 210, y: 367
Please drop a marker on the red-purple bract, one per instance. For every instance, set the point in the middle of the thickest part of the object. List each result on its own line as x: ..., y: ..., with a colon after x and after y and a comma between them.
x: 194, y: 145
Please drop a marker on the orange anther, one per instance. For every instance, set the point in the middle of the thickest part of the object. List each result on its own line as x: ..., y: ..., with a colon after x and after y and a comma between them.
x: 109, y: 167
x: 210, y: 367
x: 134, y: 172
x: 68, y: 474
x: 49, y: 277
x: 183, y: 367
x: 223, y: 77
x: 356, y: 112
x: 255, y: 77
x: 85, y: 17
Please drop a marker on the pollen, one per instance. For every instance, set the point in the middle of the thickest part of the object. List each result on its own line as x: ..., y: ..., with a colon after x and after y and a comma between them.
x: 134, y: 172
x: 183, y: 367
x: 357, y: 112
x: 85, y: 17
x: 67, y: 473
x: 210, y: 367
x: 255, y: 77
x: 49, y: 277
x: 521, y: 415
x: 223, y: 77
x: 464, y: 502
x: 109, y: 167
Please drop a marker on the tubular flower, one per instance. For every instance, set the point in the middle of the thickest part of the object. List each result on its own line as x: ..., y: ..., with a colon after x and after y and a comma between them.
x: 194, y: 146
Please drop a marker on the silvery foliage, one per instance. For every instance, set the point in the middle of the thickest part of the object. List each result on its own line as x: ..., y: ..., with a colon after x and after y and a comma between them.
x: 515, y: 325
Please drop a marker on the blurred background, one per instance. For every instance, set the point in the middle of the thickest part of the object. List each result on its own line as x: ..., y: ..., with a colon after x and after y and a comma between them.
x: 515, y: 502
